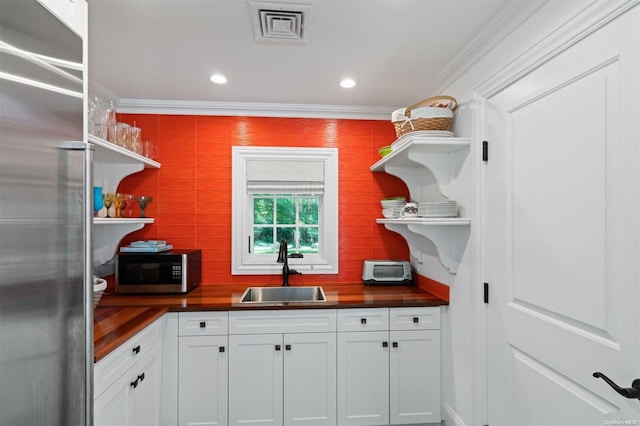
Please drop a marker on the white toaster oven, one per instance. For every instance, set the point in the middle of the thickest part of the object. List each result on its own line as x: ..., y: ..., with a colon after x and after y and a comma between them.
x: 387, y: 272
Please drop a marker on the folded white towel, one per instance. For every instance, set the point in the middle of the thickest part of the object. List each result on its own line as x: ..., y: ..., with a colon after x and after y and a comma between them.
x: 399, y: 115
x: 431, y: 112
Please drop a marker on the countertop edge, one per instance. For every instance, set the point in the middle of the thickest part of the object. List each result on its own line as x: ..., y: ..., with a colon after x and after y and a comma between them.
x: 116, y: 325
x: 118, y: 318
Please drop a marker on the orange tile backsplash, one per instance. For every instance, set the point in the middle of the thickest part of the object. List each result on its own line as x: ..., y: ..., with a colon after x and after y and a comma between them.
x: 192, y: 190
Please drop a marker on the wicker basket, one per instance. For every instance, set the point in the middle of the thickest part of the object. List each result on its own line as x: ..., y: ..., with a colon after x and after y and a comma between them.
x: 443, y: 122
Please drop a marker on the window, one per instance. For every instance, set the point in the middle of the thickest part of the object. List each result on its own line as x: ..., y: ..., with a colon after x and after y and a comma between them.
x: 284, y: 194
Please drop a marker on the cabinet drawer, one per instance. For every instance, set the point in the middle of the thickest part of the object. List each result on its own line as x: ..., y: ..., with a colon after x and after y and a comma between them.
x: 111, y: 367
x: 373, y: 319
x: 203, y: 323
x: 414, y: 318
x: 286, y: 321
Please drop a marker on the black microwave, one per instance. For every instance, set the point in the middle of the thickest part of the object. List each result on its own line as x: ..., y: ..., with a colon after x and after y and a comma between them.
x: 175, y: 271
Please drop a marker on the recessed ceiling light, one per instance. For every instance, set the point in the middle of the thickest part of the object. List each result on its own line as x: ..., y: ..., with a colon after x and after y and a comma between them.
x: 218, y: 78
x: 347, y: 83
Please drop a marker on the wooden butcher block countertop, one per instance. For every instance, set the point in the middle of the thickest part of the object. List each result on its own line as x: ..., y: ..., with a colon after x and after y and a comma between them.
x: 119, y: 317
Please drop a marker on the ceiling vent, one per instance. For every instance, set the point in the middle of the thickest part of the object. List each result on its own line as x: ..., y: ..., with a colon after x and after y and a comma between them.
x: 280, y: 22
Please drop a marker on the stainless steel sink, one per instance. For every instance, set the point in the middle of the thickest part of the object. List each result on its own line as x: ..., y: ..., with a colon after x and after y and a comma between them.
x: 272, y: 295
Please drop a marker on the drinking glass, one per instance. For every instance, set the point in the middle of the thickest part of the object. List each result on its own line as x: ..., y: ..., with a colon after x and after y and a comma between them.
x: 150, y: 150
x: 129, y: 202
x: 98, y: 203
x: 135, y: 142
x: 112, y: 133
x: 143, y: 200
x: 123, y: 136
x: 119, y: 201
x: 108, y: 203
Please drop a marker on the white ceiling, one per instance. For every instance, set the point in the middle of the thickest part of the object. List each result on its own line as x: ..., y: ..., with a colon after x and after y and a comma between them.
x: 398, y: 51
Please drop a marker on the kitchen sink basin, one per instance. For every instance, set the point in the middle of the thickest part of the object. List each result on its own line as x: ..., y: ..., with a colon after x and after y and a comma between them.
x: 272, y: 295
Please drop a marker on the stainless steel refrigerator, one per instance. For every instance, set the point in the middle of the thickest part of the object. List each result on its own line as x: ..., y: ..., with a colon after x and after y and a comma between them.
x: 46, y: 313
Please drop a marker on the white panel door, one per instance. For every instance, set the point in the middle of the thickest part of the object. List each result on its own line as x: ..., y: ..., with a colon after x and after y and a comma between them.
x: 310, y: 379
x: 202, y: 382
x: 255, y: 379
x: 563, y: 235
x: 363, y: 378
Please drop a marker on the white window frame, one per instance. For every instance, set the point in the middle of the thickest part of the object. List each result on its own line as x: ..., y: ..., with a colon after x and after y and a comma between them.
x: 243, y: 261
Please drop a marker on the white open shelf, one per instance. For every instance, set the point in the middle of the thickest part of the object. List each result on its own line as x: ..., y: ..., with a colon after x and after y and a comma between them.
x: 416, y: 153
x: 111, y: 164
x: 416, y: 159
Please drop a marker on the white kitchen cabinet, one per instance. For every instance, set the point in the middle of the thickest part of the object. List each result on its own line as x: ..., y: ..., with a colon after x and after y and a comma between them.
x: 363, y: 378
x: 389, y: 366
x: 414, y: 377
x: 111, y: 164
x: 282, y: 367
x: 255, y: 379
x: 429, y: 166
x: 310, y: 379
x: 128, y: 382
x: 363, y: 366
x: 203, y: 368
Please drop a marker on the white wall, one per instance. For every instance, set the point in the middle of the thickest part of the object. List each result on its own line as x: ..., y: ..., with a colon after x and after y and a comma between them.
x: 549, y: 25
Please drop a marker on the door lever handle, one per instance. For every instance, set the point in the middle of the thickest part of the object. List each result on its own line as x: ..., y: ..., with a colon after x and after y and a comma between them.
x: 633, y: 392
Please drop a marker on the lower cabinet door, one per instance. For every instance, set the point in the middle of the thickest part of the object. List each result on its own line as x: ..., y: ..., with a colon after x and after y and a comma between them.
x: 310, y: 379
x: 363, y: 378
x: 134, y: 398
x: 114, y: 406
x: 202, y: 384
x: 255, y: 379
x: 414, y: 372
x: 148, y: 392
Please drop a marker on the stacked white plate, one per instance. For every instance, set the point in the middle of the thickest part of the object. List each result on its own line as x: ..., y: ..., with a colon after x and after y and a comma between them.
x: 438, y: 209
x: 426, y: 133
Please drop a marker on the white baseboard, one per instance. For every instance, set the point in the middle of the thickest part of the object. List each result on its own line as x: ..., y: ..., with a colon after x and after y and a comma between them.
x: 451, y: 417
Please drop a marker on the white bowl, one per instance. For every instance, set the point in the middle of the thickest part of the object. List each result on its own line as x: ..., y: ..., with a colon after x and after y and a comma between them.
x: 388, y: 213
x: 389, y: 203
x: 99, y: 285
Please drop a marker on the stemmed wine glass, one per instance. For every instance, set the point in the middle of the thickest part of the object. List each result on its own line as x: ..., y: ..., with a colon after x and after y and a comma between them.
x: 108, y: 202
x: 119, y: 201
x: 129, y: 203
x: 143, y: 200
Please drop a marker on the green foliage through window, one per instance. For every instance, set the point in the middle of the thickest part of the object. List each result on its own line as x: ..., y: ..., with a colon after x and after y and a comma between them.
x: 293, y: 217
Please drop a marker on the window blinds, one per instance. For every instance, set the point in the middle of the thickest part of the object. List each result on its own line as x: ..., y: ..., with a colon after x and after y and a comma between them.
x: 285, y: 176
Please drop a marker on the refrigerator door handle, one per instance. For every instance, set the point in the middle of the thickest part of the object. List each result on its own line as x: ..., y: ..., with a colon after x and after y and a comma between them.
x: 75, y: 146
x: 88, y: 270
x: 87, y: 206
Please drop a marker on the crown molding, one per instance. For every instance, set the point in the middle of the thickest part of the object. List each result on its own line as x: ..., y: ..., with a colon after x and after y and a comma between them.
x: 102, y: 92
x: 507, y: 20
x: 245, y: 109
